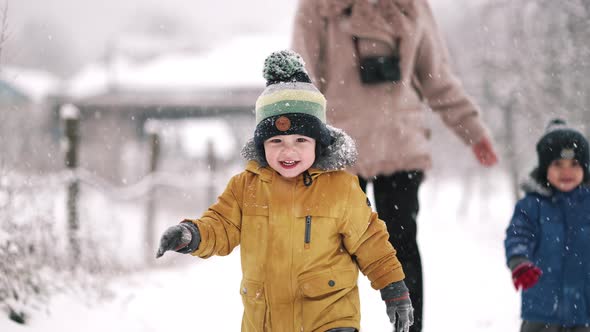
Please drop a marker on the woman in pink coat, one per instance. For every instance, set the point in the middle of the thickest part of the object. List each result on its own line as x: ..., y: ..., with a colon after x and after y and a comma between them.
x: 382, y: 65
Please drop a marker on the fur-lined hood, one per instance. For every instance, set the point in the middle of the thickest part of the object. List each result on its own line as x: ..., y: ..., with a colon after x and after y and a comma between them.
x: 532, y: 186
x: 340, y: 154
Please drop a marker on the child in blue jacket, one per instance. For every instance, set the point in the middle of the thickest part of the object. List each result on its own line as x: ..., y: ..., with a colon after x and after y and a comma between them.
x: 548, y: 240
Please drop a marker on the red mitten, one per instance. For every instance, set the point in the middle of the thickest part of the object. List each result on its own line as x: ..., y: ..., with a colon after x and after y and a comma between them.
x: 525, y: 275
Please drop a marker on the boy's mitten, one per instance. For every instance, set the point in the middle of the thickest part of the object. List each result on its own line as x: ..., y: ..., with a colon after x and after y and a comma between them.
x: 399, y: 306
x: 525, y: 274
x: 183, y: 238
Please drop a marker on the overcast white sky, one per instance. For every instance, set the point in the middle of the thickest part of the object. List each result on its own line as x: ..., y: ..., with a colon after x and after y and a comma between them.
x: 60, y: 35
x: 85, y: 27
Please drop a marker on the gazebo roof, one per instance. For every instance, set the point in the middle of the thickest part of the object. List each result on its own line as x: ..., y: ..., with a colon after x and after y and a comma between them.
x: 228, y: 76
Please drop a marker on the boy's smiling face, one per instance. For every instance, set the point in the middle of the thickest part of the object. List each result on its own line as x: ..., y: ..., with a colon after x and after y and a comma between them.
x: 290, y: 155
x: 565, y: 174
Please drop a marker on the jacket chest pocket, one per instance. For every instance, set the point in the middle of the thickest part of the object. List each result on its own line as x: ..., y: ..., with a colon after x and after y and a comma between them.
x: 307, y: 237
x: 315, y: 229
x: 315, y: 232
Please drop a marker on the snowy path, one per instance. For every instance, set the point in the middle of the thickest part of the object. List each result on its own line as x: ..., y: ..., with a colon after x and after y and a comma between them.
x: 466, y: 283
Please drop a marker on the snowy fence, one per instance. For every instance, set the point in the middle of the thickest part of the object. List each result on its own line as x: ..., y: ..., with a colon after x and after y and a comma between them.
x: 144, y: 193
x: 102, y: 206
x: 34, y: 239
x: 73, y: 220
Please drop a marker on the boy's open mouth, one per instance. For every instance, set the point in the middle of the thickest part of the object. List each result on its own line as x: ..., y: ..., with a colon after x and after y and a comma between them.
x: 289, y: 163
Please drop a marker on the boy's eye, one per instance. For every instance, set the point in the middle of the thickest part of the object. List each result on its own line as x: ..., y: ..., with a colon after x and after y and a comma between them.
x: 575, y: 162
x: 275, y: 140
x: 556, y: 162
x: 301, y: 139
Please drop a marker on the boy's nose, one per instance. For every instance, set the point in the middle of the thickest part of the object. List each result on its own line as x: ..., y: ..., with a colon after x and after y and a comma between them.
x: 289, y: 151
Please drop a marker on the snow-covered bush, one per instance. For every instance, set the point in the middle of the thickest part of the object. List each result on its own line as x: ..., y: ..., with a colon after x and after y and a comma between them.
x: 27, y: 250
x: 35, y: 260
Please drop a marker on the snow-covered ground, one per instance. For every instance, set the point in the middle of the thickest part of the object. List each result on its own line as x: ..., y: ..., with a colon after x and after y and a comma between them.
x: 467, y: 286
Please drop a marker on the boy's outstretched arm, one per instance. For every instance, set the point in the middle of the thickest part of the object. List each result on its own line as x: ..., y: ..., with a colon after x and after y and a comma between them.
x: 217, y: 232
x: 184, y: 238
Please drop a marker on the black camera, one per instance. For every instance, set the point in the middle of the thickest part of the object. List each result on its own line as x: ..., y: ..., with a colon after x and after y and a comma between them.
x: 378, y: 69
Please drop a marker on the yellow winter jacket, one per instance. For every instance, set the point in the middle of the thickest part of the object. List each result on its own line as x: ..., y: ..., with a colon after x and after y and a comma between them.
x: 301, y: 247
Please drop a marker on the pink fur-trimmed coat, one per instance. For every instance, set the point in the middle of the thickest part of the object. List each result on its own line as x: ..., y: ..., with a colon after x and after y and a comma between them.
x: 388, y: 121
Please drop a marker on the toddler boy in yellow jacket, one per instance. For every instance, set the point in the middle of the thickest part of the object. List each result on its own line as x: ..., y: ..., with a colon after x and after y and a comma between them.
x: 303, y: 224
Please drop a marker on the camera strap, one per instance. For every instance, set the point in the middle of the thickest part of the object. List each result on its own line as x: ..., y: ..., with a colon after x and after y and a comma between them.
x: 355, y: 40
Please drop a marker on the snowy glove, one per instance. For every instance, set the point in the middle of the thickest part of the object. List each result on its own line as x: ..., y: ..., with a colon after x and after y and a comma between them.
x: 183, y: 238
x: 525, y: 274
x: 399, y: 306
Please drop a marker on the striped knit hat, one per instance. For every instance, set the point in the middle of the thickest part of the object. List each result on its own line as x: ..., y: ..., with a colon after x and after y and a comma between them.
x: 290, y: 104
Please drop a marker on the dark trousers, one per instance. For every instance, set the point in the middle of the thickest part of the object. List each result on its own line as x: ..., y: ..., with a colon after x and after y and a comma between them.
x: 528, y: 326
x: 396, y: 200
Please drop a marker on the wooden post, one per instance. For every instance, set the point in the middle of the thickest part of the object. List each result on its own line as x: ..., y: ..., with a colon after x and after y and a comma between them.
x: 71, y: 118
x: 150, y: 214
x: 212, y: 165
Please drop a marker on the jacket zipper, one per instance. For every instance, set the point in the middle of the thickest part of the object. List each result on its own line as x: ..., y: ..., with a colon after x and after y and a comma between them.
x: 307, y: 231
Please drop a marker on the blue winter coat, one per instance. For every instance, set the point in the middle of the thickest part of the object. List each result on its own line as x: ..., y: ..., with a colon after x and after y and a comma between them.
x: 553, y: 231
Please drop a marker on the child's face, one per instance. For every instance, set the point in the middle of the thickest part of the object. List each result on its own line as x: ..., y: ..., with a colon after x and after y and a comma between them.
x: 565, y: 174
x: 290, y: 155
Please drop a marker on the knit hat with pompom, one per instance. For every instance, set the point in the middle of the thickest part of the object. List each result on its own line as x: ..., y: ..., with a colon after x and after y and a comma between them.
x: 561, y: 142
x: 290, y: 104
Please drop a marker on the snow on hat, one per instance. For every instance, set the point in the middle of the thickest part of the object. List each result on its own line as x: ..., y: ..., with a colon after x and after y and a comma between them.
x: 290, y: 104
x: 561, y: 142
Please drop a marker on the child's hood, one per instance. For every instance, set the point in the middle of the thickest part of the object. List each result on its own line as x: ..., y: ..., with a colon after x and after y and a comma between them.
x: 339, y: 155
x: 532, y: 186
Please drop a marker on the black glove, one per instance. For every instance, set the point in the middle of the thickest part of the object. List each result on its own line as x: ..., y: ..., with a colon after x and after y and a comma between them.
x: 397, y: 300
x: 183, y: 238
